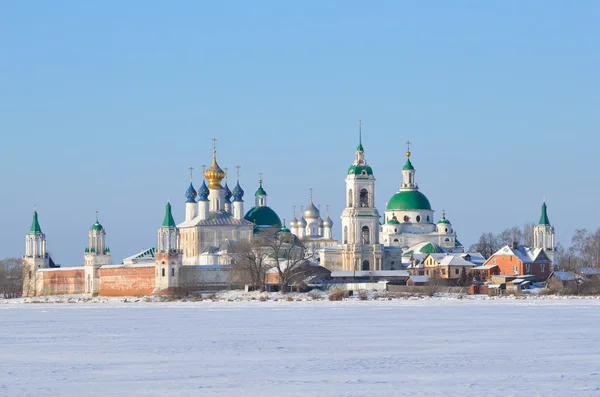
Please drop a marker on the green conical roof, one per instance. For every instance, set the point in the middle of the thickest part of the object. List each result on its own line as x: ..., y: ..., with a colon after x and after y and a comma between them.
x: 408, y: 166
x: 169, y: 221
x: 35, y: 225
x: 544, y: 218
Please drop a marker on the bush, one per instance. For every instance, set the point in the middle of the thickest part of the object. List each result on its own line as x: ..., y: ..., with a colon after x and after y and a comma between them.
x: 363, y: 296
x: 338, y: 295
x: 262, y: 299
x: 314, y: 295
x: 290, y: 299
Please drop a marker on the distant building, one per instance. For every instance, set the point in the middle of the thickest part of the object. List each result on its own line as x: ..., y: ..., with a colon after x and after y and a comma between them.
x: 518, y: 259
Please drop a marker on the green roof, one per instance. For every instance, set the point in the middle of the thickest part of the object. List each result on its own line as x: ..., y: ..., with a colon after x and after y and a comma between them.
x: 544, y: 217
x: 168, y: 221
x: 260, y: 191
x: 431, y: 248
x: 263, y: 217
x: 97, y: 226
x: 408, y: 200
x: 35, y: 225
x: 360, y: 148
x: 443, y: 220
x: 408, y: 165
x: 358, y: 170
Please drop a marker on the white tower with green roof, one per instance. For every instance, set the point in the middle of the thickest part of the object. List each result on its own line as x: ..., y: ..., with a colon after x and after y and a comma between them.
x: 35, y: 257
x: 168, y: 255
x: 97, y: 254
x: 543, y: 235
x: 360, y: 219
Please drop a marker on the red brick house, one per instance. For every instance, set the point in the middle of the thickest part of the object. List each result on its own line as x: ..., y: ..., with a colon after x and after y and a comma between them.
x: 521, y: 260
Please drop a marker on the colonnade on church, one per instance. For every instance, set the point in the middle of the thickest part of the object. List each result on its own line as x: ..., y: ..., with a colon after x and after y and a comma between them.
x: 35, y: 246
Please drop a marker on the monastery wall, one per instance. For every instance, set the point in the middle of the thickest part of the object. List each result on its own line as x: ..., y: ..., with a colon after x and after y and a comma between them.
x: 127, y: 280
x: 199, y: 276
x: 60, y: 281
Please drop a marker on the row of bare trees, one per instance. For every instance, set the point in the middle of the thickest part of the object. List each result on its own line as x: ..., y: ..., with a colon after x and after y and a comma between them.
x: 489, y: 243
x: 11, y: 278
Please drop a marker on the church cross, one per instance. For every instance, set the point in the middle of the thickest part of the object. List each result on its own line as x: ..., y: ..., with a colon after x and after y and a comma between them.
x: 237, y: 167
x: 408, y: 143
x: 191, y: 170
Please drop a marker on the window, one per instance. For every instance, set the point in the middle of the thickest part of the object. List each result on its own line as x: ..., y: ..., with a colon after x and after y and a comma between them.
x: 418, y: 218
x: 350, y: 198
x: 444, y: 272
x: 427, y: 218
x: 542, y: 267
x: 172, y: 272
x: 406, y: 218
x: 30, y: 274
x: 365, y: 235
x: 365, y: 265
x: 455, y: 271
x: 515, y: 269
x: 528, y: 268
x: 446, y: 230
x: 163, y: 271
x: 396, y: 240
x: 364, y: 198
x: 345, y: 234
x: 395, y: 230
x: 427, y: 272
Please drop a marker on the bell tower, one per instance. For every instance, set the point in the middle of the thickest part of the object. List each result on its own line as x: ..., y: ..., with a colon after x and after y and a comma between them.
x: 543, y: 235
x: 360, y: 219
x: 97, y: 254
x: 35, y: 257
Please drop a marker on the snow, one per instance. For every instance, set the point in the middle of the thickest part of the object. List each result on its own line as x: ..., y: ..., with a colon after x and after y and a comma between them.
x: 409, y: 347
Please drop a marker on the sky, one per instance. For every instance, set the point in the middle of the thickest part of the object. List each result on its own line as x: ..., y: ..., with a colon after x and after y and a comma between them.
x: 105, y: 105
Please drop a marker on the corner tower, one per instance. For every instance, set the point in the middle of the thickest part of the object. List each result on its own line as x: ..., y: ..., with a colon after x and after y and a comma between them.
x: 35, y: 257
x: 168, y: 256
x: 97, y: 254
x: 360, y: 219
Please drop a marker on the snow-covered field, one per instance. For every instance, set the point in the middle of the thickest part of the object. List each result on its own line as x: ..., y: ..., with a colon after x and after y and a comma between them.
x: 427, y: 347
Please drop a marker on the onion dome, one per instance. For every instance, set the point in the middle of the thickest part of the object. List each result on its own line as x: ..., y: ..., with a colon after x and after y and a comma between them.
x: 97, y: 226
x: 328, y: 222
x: 214, y: 174
x: 320, y: 222
x: 190, y: 194
x: 311, y: 212
x: 294, y: 222
x: 393, y: 220
x: 284, y: 229
x: 238, y: 192
x: 260, y: 191
x: 203, y: 192
x: 228, y: 193
x: 302, y: 222
x: 443, y: 220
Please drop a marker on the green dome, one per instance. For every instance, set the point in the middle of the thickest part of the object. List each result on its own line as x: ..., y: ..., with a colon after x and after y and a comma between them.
x: 97, y: 226
x: 408, y: 200
x: 443, y: 220
x: 263, y: 217
x: 260, y: 191
x: 408, y: 166
x: 431, y: 248
x: 358, y: 170
x: 393, y: 221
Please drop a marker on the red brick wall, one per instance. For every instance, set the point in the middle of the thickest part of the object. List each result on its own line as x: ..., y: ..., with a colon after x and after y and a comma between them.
x: 127, y: 281
x: 62, y: 282
x: 506, y: 263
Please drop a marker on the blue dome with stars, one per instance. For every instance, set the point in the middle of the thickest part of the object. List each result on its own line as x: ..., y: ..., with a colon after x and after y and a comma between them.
x: 203, y: 192
x: 190, y: 194
x: 238, y: 192
x: 227, y: 193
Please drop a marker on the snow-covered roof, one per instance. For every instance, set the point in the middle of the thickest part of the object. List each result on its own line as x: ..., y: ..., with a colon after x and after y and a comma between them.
x: 590, y: 271
x: 485, y: 267
x: 419, y: 279
x: 216, y: 218
x: 567, y: 276
x: 459, y: 259
x: 524, y: 253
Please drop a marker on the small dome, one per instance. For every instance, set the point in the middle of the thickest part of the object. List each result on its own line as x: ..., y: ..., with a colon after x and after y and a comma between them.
x: 311, y: 212
x: 263, y: 217
x: 320, y: 222
x: 393, y: 221
x: 358, y: 170
x: 203, y: 192
x: 443, y: 220
x: 408, y: 200
x: 260, y: 191
x: 327, y: 222
x: 227, y: 193
x: 214, y: 174
x: 238, y: 192
x: 293, y: 222
x: 190, y: 194
x: 97, y: 226
x: 301, y: 222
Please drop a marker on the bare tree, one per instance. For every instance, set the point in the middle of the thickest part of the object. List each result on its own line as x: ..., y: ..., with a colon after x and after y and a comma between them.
x: 434, y: 282
x: 510, y: 235
x: 528, y: 234
x: 11, y: 277
x: 487, y: 245
x: 286, y: 252
x: 250, y: 263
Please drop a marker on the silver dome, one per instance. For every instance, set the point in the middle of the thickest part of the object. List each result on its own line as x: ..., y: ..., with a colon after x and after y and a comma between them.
x: 311, y: 211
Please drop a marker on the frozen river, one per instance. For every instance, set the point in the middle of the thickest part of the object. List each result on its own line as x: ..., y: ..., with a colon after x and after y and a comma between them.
x: 413, y: 348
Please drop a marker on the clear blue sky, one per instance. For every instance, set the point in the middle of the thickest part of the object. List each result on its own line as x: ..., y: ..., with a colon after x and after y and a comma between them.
x: 105, y: 105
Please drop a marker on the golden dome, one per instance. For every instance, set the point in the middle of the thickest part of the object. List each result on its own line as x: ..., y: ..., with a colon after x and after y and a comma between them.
x: 214, y: 174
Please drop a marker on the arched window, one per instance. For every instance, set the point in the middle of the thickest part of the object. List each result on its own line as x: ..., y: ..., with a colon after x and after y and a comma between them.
x: 406, y: 218
x: 365, y: 265
x: 172, y: 272
x: 350, y: 198
x: 366, y: 238
x: 427, y: 218
x: 418, y: 218
x: 364, y: 198
x: 446, y: 230
x: 345, y: 235
x: 396, y: 240
x: 163, y: 271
